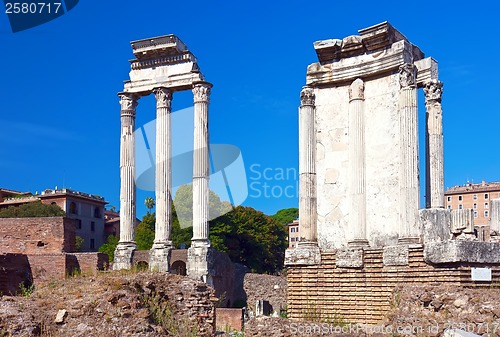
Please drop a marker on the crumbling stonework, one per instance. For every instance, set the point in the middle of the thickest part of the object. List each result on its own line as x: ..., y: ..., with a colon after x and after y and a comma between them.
x: 266, y: 287
x: 113, y: 304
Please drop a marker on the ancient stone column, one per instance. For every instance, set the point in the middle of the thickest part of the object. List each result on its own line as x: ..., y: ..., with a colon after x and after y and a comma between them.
x: 357, y: 183
x: 307, y: 168
x: 434, y: 145
x: 408, y: 145
x: 160, y: 252
x: 201, y: 93
x: 126, y: 246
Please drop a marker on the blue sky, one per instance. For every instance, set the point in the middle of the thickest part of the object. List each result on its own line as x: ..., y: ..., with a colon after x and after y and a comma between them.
x: 59, y: 112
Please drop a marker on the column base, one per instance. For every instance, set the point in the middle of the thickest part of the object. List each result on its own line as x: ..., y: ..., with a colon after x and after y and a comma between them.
x: 124, y: 254
x: 358, y: 243
x: 409, y: 240
x: 159, y: 256
x: 202, y: 243
x: 200, y: 263
x: 306, y: 253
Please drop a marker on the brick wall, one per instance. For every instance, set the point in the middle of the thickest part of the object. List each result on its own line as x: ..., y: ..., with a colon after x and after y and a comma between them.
x: 88, y: 263
x: 229, y: 319
x: 364, y: 295
x: 48, y: 235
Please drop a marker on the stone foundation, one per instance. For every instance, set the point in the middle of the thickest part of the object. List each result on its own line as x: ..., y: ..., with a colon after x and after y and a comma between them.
x: 363, y: 295
x: 124, y: 254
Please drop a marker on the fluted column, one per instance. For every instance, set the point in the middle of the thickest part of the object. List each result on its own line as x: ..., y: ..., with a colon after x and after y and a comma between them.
x: 201, y: 92
x: 126, y: 246
x: 163, y: 167
x: 408, y: 144
x: 127, y: 167
x: 307, y: 168
x: 159, y: 255
x: 357, y: 183
x: 434, y: 145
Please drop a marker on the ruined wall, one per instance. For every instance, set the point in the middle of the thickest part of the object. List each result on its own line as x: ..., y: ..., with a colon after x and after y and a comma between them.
x: 14, y: 270
x: 229, y: 319
x: 266, y: 287
x: 363, y: 295
x: 47, y: 235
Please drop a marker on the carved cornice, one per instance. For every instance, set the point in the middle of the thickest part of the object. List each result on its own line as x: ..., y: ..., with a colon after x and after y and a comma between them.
x: 128, y: 102
x: 307, y: 96
x: 165, y: 60
x: 408, y: 76
x: 201, y: 92
x: 357, y: 90
x: 163, y: 97
x: 433, y: 91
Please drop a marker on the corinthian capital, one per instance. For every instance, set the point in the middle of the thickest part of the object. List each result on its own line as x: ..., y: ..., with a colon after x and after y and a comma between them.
x: 163, y: 97
x: 201, y: 91
x: 128, y: 102
x: 408, y: 76
x: 433, y: 91
x: 307, y: 96
x: 357, y: 89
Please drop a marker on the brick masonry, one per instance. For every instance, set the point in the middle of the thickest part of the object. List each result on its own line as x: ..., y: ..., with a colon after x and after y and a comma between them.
x: 229, y: 319
x: 363, y: 295
x: 33, y: 236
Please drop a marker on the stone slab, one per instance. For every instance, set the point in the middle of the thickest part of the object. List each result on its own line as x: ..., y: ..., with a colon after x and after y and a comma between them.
x: 396, y: 255
x: 462, y: 251
x: 435, y: 223
x: 349, y: 258
x: 303, y: 255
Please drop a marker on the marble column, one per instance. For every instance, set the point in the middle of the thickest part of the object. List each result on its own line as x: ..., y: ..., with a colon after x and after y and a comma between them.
x: 200, y: 257
x: 307, y: 250
x: 159, y: 257
x: 434, y: 145
x: 357, y: 175
x: 408, y: 144
x: 201, y: 93
x: 126, y: 246
x: 307, y: 168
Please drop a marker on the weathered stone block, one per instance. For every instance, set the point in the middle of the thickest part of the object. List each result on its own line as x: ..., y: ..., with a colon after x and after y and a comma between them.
x: 435, y: 223
x: 303, y: 254
x: 159, y: 257
x: 124, y: 253
x: 349, y: 258
x: 462, y: 251
x: 396, y: 255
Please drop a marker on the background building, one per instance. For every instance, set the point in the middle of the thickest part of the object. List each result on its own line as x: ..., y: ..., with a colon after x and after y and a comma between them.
x: 86, y: 209
x: 475, y: 196
x: 293, y: 233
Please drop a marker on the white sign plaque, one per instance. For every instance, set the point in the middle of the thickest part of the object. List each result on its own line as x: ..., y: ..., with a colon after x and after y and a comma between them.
x: 481, y: 274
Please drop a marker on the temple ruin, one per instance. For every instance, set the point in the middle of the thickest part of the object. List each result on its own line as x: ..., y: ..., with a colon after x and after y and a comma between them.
x: 362, y: 230
x: 164, y: 65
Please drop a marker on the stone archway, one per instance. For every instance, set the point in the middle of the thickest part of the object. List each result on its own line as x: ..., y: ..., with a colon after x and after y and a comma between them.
x: 178, y: 267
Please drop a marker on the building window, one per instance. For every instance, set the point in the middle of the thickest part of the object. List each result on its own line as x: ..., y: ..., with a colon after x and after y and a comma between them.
x: 486, y: 214
x: 474, y: 197
x: 78, y: 224
x: 72, y: 208
x: 475, y: 214
x: 292, y: 230
x: 97, y: 212
x: 460, y: 207
x: 486, y: 205
x: 297, y: 229
x: 449, y: 206
x: 92, y: 226
x: 459, y: 198
x: 474, y: 206
x: 449, y: 198
x: 486, y: 195
x: 92, y: 244
x: 292, y: 239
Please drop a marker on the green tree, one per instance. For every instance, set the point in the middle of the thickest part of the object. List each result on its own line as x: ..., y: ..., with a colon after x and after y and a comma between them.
x: 250, y: 237
x: 150, y: 203
x: 32, y: 209
x: 180, y: 236
x: 145, y: 232
x: 286, y: 216
x: 79, y: 241
x: 109, y: 247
